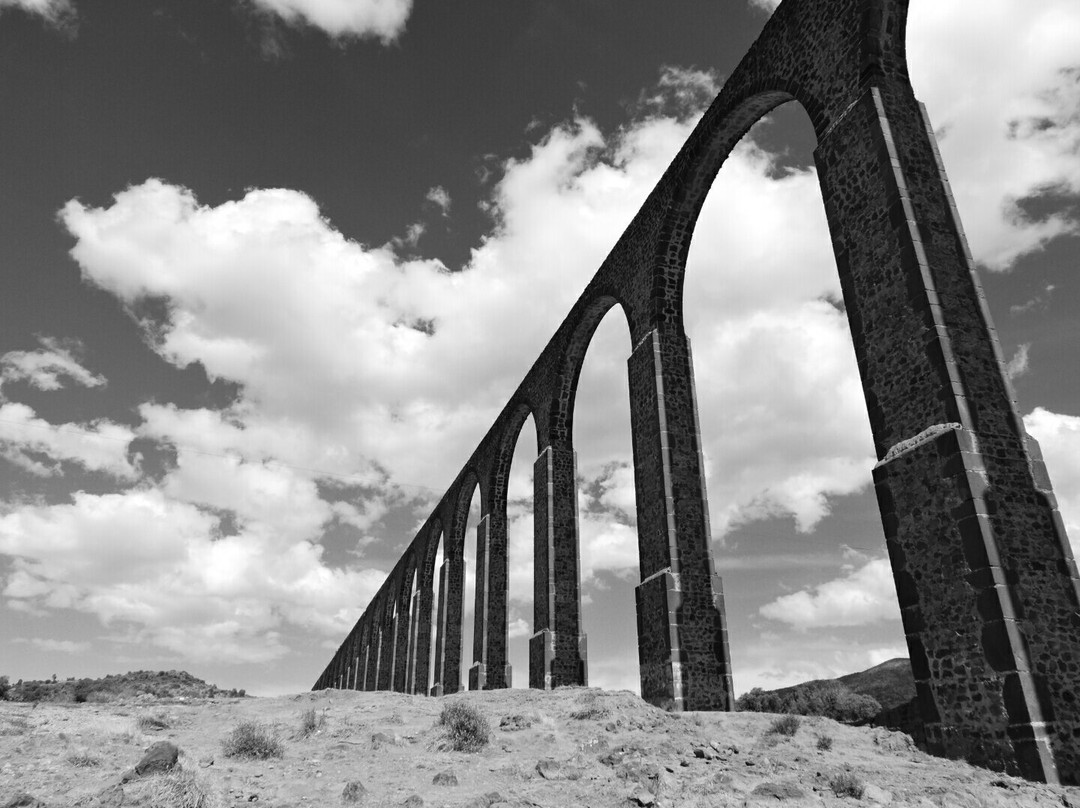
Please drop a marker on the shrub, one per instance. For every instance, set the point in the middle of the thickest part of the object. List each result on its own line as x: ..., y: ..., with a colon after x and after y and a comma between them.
x: 83, y: 759
x: 148, y: 722
x: 828, y: 699
x: 179, y: 788
x: 251, y: 739
x: 310, y: 722
x: 466, y: 728
x: 81, y: 689
x: 846, y: 784
x: 785, y: 725
x: 590, y: 712
x: 5, y: 686
x: 824, y: 742
x: 16, y: 725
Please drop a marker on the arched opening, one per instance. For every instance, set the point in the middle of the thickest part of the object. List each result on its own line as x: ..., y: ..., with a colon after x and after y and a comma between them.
x: 469, y: 585
x: 408, y: 683
x: 785, y: 435
x: 519, y: 545
x: 439, y: 592
x: 607, y: 507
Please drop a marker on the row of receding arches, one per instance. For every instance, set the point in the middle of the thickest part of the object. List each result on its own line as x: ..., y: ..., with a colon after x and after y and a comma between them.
x: 988, y: 587
x: 411, y: 637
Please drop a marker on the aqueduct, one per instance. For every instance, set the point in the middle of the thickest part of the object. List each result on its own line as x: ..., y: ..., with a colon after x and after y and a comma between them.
x: 987, y: 584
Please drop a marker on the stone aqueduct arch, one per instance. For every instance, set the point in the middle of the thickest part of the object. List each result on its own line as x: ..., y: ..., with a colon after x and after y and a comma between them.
x: 987, y: 584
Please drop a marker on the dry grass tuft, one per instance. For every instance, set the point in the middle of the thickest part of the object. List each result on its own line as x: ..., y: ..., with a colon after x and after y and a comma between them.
x: 250, y: 739
x: 83, y: 759
x: 176, y: 789
x: 150, y: 723
x: 785, y: 725
x: 846, y: 784
x: 467, y: 729
x: 16, y: 725
x: 311, y: 722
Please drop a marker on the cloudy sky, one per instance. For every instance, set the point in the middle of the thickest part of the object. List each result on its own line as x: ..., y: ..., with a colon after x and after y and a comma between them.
x: 271, y: 268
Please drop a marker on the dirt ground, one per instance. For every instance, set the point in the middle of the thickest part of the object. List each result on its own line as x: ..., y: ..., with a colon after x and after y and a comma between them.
x: 569, y: 747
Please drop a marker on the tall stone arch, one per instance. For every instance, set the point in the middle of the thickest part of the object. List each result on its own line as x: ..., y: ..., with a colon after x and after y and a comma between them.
x: 427, y: 586
x: 403, y: 621
x: 988, y: 587
x: 490, y: 667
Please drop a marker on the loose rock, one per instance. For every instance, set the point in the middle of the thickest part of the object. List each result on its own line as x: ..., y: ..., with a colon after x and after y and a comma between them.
x: 778, y: 791
x: 380, y: 739
x: 354, y: 793
x: 446, y: 778
x: 161, y: 757
x: 876, y: 795
x: 554, y: 770
x: 24, y: 800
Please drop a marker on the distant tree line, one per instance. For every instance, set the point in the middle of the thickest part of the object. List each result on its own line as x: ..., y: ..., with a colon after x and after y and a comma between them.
x: 115, y: 687
x: 828, y: 698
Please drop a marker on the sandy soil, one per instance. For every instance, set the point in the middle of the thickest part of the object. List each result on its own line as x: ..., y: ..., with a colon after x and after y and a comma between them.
x: 570, y: 747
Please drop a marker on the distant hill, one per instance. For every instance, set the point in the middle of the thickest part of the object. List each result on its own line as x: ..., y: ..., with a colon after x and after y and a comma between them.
x: 891, y: 683
x: 883, y: 695
x: 116, y: 687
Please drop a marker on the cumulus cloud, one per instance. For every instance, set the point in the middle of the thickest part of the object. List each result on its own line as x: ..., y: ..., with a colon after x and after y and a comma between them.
x: 1059, y: 437
x: 41, y: 448
x: 1005, y: 101
x: 52, y: 10
x: 57, y: 646
x: 384, y: 19
x: 440, y: 198
x: 149, y: 561
x: 45, y: 369
x: 1020, y: 363
x: 860, y: 597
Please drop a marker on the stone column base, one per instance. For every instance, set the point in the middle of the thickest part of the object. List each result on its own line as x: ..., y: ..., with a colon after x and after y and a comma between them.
x: 549, y: 669
x: 658, y: 599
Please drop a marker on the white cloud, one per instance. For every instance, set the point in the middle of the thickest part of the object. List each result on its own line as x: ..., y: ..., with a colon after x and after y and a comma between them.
x: 860, y: 597
x: 1020, y: 363
x: 45, y: 369
x: 765, y: 5
x: 384, y: 19
x: 143, y: 559
x: 1059, y: 438
x: 439, y: 197
x: 53, y: 10
x: 57, y: 646
x: 40, y: 447
x: 1002, y: 88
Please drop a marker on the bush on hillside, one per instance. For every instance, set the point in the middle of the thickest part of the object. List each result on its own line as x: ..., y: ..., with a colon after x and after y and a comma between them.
x: 466, y: 728
x: 250, y: 739
x: 785, y: 725
x: 828, y: 699
x: 5, y: 686
x: 846, y: 784
x: 311, y: 722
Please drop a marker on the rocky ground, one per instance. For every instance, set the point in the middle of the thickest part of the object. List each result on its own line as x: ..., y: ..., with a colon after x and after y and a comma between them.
x: 570, y: 747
